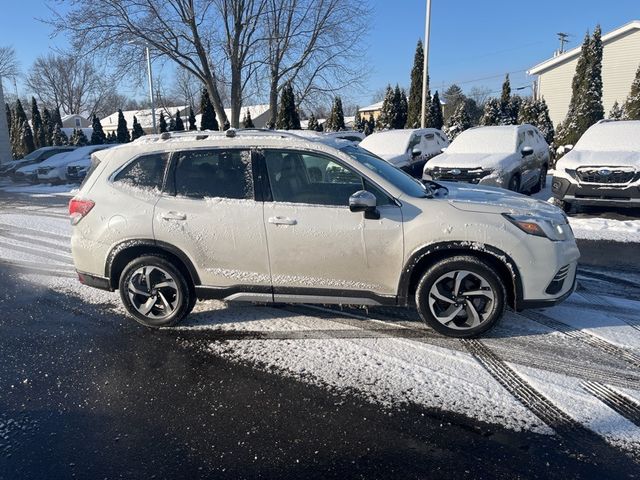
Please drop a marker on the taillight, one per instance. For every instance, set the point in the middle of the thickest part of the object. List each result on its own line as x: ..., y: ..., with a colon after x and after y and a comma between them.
x: 78, y: 208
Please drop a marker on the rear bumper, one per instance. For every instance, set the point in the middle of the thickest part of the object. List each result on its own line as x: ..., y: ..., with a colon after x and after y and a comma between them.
x: 90, y: 280
x: 596, y: 194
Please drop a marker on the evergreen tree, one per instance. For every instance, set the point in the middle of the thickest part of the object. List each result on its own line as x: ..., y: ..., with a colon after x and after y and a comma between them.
x: 312, y: 124
x: 632, y: 105
x: 368, y: 125
x: 208, y: 121
x: 122, y: 132
x: 247, y: 122
x: 78, y: 138
x: 172, y: 124
x: 47, y: 123
x: 9, y: 114
x: 111, y: 138
x: 510, y: 114
x: 388, y: 111
x: 39, y: 133
x: 179, y: 124
x: 335, y: 122
x: 162, y: 123
x: 57, y: 119
x: 400, y: 96
x: 288, y: 118
x: 452, y: 96
x: 136, y: 130
x: 414, y: 108
x: 617, y: 112
x: 544, y: 123
x: 459, y: 121
x: 22, y: 137
x: 192, y: 120
x: 358, y: 124
x: 505, y: 97
x: 436, y: 117
x: 97, y: 136
x: 492, y: 114
x: 58, y: 137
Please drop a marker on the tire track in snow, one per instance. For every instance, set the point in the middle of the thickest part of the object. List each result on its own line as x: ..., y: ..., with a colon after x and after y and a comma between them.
x: 64, y: 259
x: 584, y: 336
x: 617, y: 402
x: 602, y: 303
x: 33, y: 241
x: 32, y: 267
x: 34, y: 232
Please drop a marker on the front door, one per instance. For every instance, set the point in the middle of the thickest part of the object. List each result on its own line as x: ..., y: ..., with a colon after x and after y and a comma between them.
x: 317, y: 246
x: 210, y: 213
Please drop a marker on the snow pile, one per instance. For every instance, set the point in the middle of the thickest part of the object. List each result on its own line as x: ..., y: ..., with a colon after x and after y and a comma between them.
x: 606, y: 229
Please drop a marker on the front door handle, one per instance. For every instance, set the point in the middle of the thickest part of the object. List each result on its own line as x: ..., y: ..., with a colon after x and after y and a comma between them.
x: 282, y: 221
x: 174, y: 216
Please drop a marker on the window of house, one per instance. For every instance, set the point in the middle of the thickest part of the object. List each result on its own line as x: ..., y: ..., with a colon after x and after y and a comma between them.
x: 214, y: 174
x: 78, y: 123
x: 146, y: 171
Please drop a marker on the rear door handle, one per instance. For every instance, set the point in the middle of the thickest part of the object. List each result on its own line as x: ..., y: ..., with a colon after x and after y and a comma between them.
x: 174, y: 216
x: 282, y: 221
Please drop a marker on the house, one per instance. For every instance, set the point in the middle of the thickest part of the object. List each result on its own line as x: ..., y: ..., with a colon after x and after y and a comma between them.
x: 259, y: 115
x: 374, y: 110
x: 620, y: 60
x: 75, y: 121
x: 145, y: 118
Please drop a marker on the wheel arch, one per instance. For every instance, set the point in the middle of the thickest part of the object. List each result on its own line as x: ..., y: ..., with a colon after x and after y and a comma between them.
x: 428, y: 255
x: 122, y: 253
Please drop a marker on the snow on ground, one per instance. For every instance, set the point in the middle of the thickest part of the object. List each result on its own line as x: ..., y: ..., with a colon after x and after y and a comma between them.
x: 372, y: 358
x: 42, y: 190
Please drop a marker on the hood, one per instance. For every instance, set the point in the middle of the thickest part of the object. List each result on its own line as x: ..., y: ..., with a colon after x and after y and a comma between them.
x: 481, y: 199
x: 395, y: 160
x: 584, y: 158
x: 471, y: 160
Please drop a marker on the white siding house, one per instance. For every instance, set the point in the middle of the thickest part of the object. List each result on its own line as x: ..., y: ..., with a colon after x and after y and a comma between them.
x: 620, y: 61
x: 75, y: 121
x: 145, y: 118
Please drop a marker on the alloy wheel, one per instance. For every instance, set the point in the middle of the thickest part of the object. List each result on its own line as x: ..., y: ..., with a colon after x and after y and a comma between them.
x: 461, y: 300
x: 153, y: 292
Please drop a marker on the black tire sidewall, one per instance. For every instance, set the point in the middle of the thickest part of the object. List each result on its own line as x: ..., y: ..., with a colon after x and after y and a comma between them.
x: 187, y: 299
x: 471, y: 264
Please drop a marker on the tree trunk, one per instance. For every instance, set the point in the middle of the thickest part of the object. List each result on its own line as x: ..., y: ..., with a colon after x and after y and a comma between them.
x: 273, y: 99
x: 214, y: 96
x: 236, y: 96
x: 5, y: 148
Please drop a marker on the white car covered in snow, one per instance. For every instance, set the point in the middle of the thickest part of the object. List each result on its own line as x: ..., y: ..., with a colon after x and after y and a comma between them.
x: 406, y: 149
x: 602, y: 169
x: 54, y: 170
x: 515, y: 157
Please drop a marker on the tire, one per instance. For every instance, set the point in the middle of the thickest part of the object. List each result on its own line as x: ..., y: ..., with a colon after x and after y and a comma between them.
x: 444, y: 310
x: 514, y: 184
x: 174, y: 299
x: 542, y: 181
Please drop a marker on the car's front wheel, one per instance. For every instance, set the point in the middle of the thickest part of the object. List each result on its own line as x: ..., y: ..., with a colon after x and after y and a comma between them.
x: 155, y: 292
x: 461, y: 297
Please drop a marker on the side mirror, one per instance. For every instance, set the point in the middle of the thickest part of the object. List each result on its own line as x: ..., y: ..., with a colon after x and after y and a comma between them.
x: 567, y: 148
x: 526, y: 151
x: 416, y: 152
x: 443, y: 149
x: 363, y: 201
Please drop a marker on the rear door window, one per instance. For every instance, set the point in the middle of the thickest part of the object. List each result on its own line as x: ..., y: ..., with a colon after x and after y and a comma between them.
x: 214, y: 174
x: 145, y: 172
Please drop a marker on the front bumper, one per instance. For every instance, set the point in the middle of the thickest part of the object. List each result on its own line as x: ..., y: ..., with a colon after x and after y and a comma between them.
x: 550, y: 302
x: 596, y: 194
x: 474, y: 176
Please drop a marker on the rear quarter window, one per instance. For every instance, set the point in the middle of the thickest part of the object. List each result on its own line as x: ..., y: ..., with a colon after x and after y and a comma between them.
x: 145, y: 172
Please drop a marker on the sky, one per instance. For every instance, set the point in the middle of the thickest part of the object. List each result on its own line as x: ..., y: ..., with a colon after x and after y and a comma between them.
x: 473, y: 42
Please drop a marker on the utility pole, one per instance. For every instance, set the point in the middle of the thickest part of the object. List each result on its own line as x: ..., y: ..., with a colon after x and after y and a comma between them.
x: 425, y: 70
x: 563, y: 39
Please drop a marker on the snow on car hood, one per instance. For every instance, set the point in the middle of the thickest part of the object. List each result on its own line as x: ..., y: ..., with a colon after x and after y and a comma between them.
x: 474, y: 198
x: 471, y: 160
x: 583, y: 158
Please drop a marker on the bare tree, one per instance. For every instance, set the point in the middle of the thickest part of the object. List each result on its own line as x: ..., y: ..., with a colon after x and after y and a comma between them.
x: 72, y: 84
x: 311, y: 44
x: 480, y: 95
x: 181, y: 30
x: 8, y: 62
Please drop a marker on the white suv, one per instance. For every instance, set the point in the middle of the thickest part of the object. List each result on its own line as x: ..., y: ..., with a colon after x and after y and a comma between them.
x: 274, y: 217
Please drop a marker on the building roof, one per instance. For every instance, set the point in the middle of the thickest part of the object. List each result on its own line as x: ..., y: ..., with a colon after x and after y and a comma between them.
x: 570, y: 54
x: 375, y: 106
x: 144, y: 117
x: 73, y: 115
x: 255, y: 110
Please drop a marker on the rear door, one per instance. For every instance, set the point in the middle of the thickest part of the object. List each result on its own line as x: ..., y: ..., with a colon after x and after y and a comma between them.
x: 317, y: 246
x: 210, y: 213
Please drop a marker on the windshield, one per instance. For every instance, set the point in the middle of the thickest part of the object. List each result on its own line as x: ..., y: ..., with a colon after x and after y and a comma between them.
x: 387, y: 143
x: 397, y: 177
x: 485, y: 140
x: 611, y: 137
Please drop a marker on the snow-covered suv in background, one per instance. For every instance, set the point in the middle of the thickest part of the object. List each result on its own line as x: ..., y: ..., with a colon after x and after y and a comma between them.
x: 515, y: 157
x: 274, y: 217
x: 602, y: 169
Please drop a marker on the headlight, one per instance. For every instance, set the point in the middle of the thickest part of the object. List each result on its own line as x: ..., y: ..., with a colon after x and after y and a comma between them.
x: 540, y: 227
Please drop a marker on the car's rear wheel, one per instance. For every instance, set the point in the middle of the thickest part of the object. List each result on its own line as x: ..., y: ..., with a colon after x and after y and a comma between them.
x: 461, y: 297
x: 514, y: 183
x: 155, y: 292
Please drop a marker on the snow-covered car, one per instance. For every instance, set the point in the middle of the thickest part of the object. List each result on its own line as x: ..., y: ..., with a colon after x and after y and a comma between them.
x: 34, y: 157
x: 515, y: 157
x: 275, y: 217
x: 54, y: 170
x: 406, y: 149
x: 76, y: 170
x: 602, y: 169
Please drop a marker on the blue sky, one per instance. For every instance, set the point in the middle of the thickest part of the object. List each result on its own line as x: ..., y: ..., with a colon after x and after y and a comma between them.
x: 473, y: 42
